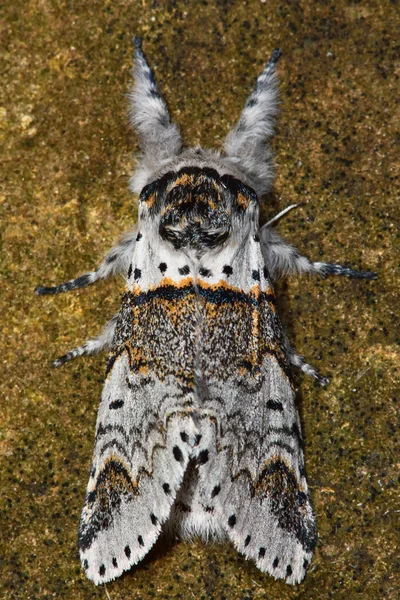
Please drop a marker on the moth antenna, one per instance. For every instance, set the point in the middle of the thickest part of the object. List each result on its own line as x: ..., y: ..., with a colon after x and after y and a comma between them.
x: 281, y: 214
x: 159, y: 137
x: 246, y: 144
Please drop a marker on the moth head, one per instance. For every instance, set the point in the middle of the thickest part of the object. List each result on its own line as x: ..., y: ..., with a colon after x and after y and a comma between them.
x: 246, y: 155
x: 197, y: 209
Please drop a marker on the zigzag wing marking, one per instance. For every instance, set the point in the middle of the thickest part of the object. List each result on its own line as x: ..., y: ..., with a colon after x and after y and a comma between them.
x: 138, y: 466
x: 145, y: 432
x: 254, y: 476
x: 254, y: 481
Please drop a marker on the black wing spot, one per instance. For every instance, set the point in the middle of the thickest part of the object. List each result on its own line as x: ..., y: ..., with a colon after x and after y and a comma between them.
x: 288, y: 571
x: 137, y: 274
x: 140, y: 540
x: 203, y: 457
x: 305, y: 564
x: 197, y: 439
x: 85, y: 564
x: 265, y: 272
x: 166, y: 488
x: 275, y: 563
x: 177, y: 452
x: 154, y: 519
x: 163, y: 267
x: 256, y: 238
x: 139, y: 236
x: 232, y: 521
x: 205, y: 272
x: 273, y: 405
x: 216, y: 491
x: 184, y: 437
x: 296, y: 431
x: 102, y: 571
x: 116, y: 404
x: 127, y: 551
x: 227, y: 270
x: 129, y: 271
x: 115, y: 563
x: 247, y: 540
x: 256, y: 275
x: 261, y: 552
x: 184, y: 270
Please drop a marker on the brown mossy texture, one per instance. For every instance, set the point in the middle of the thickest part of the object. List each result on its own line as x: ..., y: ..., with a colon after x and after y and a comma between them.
x: 67, y: 155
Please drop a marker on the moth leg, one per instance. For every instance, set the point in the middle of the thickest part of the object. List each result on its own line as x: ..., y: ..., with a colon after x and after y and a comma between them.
x: 116, y: 261
x: 298, y: 361
x: 104, y: 340
x: 334, y: 269
x: 282, y: 259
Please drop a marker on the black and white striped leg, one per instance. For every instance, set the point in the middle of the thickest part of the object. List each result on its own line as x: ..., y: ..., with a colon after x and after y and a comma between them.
x: 333, y: 269
x: 283, y: 259
x: 72, y: 284
x: 103, y: 341
x: 298, y: 361
x: 116, y: 261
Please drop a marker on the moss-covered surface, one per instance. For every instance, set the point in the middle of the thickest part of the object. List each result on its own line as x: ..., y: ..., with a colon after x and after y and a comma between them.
x: 64, y: 200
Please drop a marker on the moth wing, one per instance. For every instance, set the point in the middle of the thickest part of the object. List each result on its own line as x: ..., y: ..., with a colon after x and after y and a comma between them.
x: 254, y: 478
x: 138, y: 466
x: 255, y: 481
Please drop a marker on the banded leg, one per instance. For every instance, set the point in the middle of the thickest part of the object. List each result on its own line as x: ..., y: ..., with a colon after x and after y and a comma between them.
x: 104, y: 340
x: 116, y: 261
x: 283, y: 259
x: 298, y: 361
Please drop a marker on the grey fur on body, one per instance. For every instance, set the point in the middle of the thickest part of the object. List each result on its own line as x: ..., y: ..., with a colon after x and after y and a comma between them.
x: 151, y: 410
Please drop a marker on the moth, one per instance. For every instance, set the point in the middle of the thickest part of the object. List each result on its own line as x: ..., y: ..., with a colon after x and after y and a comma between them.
x: 197, y: 430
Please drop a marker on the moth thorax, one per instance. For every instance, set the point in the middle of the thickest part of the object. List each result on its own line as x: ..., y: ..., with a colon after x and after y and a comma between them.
x: 195, y: 214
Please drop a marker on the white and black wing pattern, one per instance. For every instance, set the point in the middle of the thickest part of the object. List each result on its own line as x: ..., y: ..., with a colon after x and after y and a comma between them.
x: 253, y: 480
x: 144, y: 432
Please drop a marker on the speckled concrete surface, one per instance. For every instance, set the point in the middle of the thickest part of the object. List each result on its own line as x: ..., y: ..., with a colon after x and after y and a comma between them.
x: 67, y: 155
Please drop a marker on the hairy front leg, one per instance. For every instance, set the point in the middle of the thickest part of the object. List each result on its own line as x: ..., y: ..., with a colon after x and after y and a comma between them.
x: 283, y: 259
x: 103, y: 341
x: 116, y: 262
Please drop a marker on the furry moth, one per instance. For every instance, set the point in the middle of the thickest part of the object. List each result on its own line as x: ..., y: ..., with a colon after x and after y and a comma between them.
x: 197, y: 427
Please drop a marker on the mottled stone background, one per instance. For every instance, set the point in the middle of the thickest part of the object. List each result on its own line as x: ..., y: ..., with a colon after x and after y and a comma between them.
x: 67, y: 156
